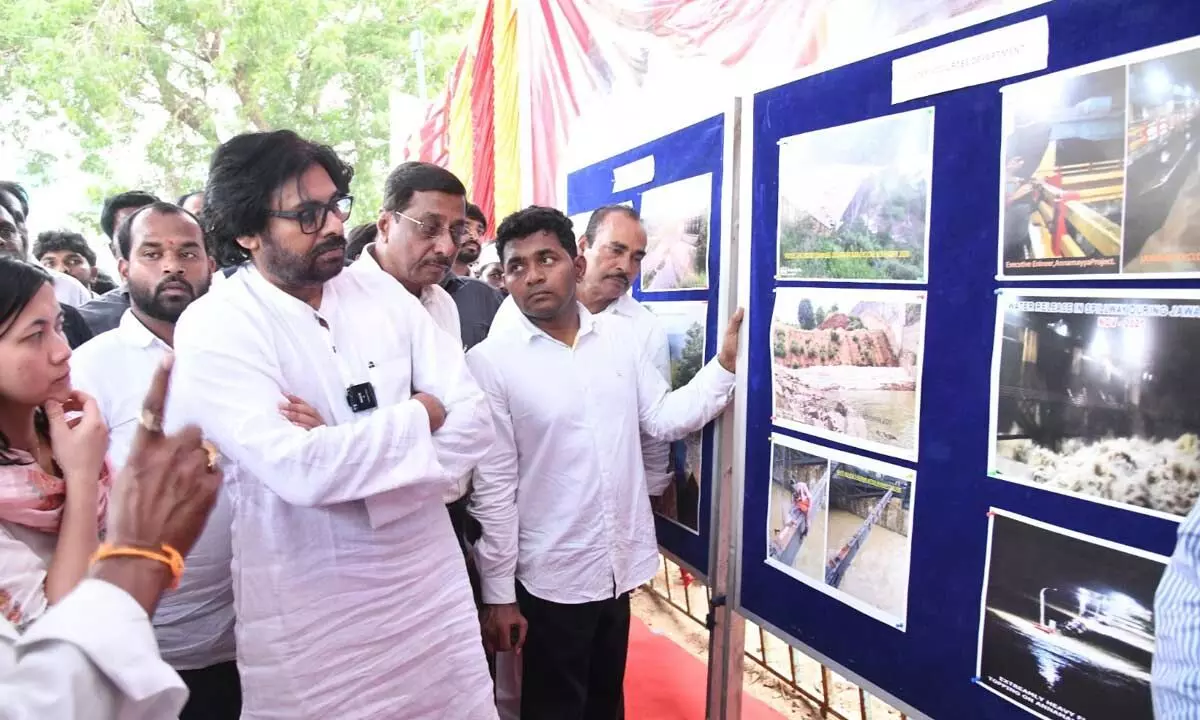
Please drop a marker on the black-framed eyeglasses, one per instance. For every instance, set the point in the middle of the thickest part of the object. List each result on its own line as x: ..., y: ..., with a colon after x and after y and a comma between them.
x: 312, y: 216
x: 433, y: 231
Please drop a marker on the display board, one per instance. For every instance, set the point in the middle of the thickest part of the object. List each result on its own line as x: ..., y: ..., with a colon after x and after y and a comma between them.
x: 675, y: 182
x: 969, y: 431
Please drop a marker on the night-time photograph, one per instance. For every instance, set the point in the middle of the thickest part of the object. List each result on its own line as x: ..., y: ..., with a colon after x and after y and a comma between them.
x: 1067, y: 623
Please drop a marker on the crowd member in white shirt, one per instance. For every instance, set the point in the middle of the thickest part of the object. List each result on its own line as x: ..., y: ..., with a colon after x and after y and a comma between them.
x: 165, y: 267
x: 351, y: 593
x: 420, y: 228
x: 14, y: 242
x: 562, y: 497
x: 614, y: 244
x: 93, y: 655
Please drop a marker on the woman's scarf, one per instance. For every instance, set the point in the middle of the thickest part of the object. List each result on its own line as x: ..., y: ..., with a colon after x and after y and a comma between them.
x: 34, y: 499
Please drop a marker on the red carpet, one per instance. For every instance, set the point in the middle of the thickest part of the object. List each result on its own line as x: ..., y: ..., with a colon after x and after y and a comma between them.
x: 665, y: 682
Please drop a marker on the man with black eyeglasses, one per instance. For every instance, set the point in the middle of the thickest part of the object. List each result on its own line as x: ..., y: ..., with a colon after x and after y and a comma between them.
x: 352, y: 599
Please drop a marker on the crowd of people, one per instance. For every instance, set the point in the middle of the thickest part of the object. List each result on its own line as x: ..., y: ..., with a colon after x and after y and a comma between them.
x: 433, y: 450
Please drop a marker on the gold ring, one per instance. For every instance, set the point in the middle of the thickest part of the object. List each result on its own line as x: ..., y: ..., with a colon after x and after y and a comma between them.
x: 213, y: 455
x: 150, y: 421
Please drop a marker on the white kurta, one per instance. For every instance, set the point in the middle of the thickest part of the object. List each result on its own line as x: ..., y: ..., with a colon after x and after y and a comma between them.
x: 351, y: 593
x: 90, y: 657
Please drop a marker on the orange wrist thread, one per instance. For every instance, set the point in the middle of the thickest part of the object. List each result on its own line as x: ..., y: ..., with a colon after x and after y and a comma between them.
x: 168, y: 556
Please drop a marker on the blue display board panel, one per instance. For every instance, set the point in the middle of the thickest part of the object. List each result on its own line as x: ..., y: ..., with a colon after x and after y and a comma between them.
x: 930, y: 666
x: 692, y: 151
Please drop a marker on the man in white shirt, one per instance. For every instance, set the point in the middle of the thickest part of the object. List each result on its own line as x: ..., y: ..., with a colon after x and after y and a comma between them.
x: 93, y: 656
x: 420, y: 228
x: 562, y: 497
x: 614, y: 244
x: 351, y: 593
x: 165, y: 266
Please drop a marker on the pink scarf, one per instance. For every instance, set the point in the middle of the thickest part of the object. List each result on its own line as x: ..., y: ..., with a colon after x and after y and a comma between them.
x: 34, y: 499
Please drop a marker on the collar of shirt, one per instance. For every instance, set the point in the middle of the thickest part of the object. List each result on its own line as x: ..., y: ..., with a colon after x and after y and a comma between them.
x: 528, y: 331
x: 435, y: 299
x: 132, y: 331
x: 264, y: 290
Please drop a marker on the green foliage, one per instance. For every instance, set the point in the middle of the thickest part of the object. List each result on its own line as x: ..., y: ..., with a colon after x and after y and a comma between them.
x: 779, y: 348
x: 805, y: 315
x: 837, y: 339
x: 183, y: 75
x: 691, y: 358
x: 855, y: 324
x: 889, y: 217
x: 794, y: 348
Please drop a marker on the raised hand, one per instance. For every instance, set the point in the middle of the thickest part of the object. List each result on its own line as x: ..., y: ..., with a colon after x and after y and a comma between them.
x: 729, y: 346
x: 79, y: 444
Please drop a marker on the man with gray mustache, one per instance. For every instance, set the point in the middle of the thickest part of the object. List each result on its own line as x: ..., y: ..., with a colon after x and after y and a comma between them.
x: 614, y: 244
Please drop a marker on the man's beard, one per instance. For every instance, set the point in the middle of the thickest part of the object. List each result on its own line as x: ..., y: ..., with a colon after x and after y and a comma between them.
x: 152, y: 302
x: 295, y: 270
x: 469, y: 252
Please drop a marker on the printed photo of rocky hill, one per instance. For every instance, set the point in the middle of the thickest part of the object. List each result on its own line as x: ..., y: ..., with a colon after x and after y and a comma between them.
x: 854, y: 200
x: 846, y: 365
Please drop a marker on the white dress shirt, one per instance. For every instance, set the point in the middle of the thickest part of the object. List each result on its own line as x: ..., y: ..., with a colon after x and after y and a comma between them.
x: 351, y: 592
x: 194, y: 623
x: 562, y: 496
x: 68, y: 290
x: 1175, y: 675
x: 90, y: 657
x: 653, y: 340
x: 444, y: 312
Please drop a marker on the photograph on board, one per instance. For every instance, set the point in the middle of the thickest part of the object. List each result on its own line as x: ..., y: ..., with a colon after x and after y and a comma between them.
x: 684, y: 323
x: 1063, y: 174
x: 854, y: 201
x: 846, y: 365
x: 1067, y: 622
x: 677, y: 219
x: 842, y: 523
x: 797, y: 512
x: 1095, y: 396
x: 867, y: 546
x: 1162, y: 193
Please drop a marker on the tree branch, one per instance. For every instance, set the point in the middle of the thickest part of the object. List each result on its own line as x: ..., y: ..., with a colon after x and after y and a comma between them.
x: 241, y: 85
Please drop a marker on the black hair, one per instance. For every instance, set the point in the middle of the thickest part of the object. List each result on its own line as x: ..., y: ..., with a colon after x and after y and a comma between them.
x: 125, y: 232
x: 414, y: 177
x: 20, y: 281
x: 15, y: 189
x: 103, y: 283
x: 187, y: 196
x: 243, y: 177
x: 55, y: 240
x: 532, y: 219
x: 123, y: 201
x: 359, y: 237
x: 601, y: 214
x: 474, y: 212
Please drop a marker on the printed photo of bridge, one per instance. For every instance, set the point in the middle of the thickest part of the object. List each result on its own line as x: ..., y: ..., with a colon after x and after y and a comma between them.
x: 1095, y: 396
x: 1162, y: 206
x: 1067, y: 626
x: 677, y: 218
x: 842, y: 523
x: 798, y: 510
x: 1064, y: 174
x: 867, y: 550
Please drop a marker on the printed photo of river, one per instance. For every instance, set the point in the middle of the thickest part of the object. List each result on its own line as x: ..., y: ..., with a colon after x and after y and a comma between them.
x: 1068, y: 622
x: 846, y: 365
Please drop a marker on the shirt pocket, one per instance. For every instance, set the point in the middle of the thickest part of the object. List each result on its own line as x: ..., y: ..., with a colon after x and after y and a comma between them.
x: 392, y: 379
